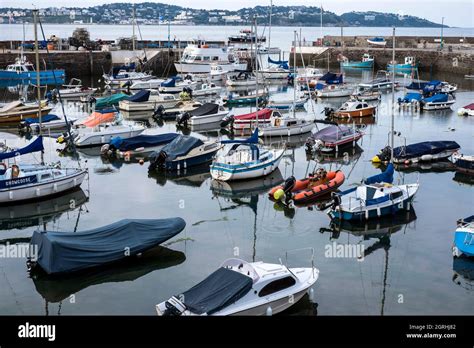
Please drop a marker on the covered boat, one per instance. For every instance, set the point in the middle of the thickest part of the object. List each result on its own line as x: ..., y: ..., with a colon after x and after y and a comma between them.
x: 139, y: 97
x: 464, y: 238
x: 204, y: 114
x: 438, y: 101
x: 419, y: 152
x: 99, y: 117
x: 48, y: 122
x: 410, y: 99
x: 464, y: 164
x: 467, y: 110
x: 141, y: 141
x: 333, y: 139
x: 64, y: 252
x: 111, y: 100
x: 183, y: 152
x: 377, y: 41
x: 307, y: 190
x: 246, y: 121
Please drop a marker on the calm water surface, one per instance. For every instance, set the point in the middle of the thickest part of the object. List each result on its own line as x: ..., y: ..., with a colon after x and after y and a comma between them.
x: 408, y: 266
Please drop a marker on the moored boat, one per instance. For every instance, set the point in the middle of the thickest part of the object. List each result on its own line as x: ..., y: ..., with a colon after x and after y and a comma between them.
x: 410, y: 65
x: 467, y: 110
x: 464, y: 163
x: 17, y: 111
x: 351, y: 109
x: 464, y: 237
x: 205, y: 114
x: 377, y: 41
x: 438, y: 101
x: 419, y: 152
x: 367, y: 62
x: 333, y: 139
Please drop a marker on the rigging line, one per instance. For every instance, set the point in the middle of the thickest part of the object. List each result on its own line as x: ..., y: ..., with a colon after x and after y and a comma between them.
x: 11, y: 288
x: 59, y: 93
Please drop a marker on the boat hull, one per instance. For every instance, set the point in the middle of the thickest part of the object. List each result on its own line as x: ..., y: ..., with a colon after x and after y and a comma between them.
x: 185, y: 163
x: 464, y: 242
x: 96, y: 139
x: 356, y: 113
x: 358, y: 65
x: 19, y: 116
x: 199, y: 120
x: 437, y: 106
x: 270, y: 131
x: 189, y: 68
x: 31, y: 75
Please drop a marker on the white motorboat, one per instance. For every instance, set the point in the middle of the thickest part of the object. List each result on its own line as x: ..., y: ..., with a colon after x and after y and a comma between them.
x: 380, y: 82
x: 273, y: 73
x: 155, y: 100
x: 243, y: 79
x: 206, y: 89
x: 366, y: 95
x: 22, y: 182
x: 205, y: 114
x: 48, y: 123
x: 245, y: 159
x: 103, y: 133
x: 148, y: 84
x: 123, y: 76
x: 285, y: 126
x: 467, y: 110
x: 198, y: 58
x: 335, y: 91
x: 242, y: 288
x: 172, y: 85
x: 286, y: 104
x: 217, y: 73
x: 438, y: 101
x: 305, y: 75
x: 73, y: 90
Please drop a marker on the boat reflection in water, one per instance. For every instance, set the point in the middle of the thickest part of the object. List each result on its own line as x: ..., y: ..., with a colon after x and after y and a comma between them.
x: 427, y: 167
x: 20, y: 216
x: 463, y: 268
x: 464, y: 178
x: 342, y: 158
x: 193, y: 176
x: 55, y: 289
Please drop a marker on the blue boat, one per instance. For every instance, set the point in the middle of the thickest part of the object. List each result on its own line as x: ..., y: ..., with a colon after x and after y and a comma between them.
x: 375, y: 198
x: 22, y: 70
x: 464, y: 237
x: 410, y: 65
x: 367, y: 62
x: 183, y: 152
x: 377, y: 41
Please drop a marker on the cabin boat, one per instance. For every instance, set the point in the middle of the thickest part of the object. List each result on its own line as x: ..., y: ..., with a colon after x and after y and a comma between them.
x: 247, y: 121
x: 464, y: 238
x: 24, y: 70
x: 17, y: 111
x: 198, y: 58
x: 206, y: 89
x: 182, y: 153
x: 22, y: 182
x: 205, y: 114
x: 351, y: 109
x: 407, y: 67
x: 367, y: 62
x: 245, y: 159
x: 246, y: 36
x: 273, y: 73
x: 125, y: 74
x: 217, y: 73
x: 380, y: 82
x: 375, y: 198
x: 366, y: 95
x: 242, y: 288
x: 438, y: 101
x: 285, y: 126
x: 333, y: 139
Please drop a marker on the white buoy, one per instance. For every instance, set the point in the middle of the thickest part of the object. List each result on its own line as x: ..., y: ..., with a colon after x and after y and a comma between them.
x: 311, y: 294
x: 269, y: 311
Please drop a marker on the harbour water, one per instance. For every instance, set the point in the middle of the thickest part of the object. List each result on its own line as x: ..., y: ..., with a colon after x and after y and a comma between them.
x: 408, y: 267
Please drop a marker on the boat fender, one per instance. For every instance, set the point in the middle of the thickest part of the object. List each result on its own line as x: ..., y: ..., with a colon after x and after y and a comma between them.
x: 269, y: 311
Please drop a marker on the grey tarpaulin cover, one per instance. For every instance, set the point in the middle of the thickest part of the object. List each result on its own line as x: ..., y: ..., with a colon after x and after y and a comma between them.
x: 220, y: 289
x: 206, y: 109
x: 61, y: 252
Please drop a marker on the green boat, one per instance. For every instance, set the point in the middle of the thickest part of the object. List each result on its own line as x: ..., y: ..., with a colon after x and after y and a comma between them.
x: 245, y: 100
x: 111, y: 100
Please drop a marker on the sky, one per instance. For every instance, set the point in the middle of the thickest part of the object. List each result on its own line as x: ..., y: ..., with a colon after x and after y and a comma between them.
x: 459, y: 13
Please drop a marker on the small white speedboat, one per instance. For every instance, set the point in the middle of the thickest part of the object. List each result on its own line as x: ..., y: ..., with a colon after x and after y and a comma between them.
x: 73, y: 90
x: 242, y: 288
x: 103, y: 133
x: 438, y: 101
x: 335, y: 91
x: 206, y: 89
x: 155, y: 100
x: 285, y: 126
x: 205, y: 114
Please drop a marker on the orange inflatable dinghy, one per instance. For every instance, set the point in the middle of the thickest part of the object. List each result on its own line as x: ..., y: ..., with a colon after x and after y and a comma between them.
x: 311, y: 188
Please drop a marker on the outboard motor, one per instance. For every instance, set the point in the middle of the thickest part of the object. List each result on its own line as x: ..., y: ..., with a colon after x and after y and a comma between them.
x: 385, y: 154
x: 157, y: 160
x: 228, y: 120
x: 174, y: 307
x: 288, y: 186
x: 328, y: 111
x: 309, y: 145
x: 159, y: 112
x: 182, y: 120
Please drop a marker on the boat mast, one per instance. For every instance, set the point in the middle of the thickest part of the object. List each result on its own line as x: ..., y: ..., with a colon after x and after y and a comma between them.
x: 35, y: 17
x: 23, y: 44
x: 294, y: 74
x: 133, y: 29
x: 392, y: 130
x: 270, y: 26
x: 256, y: 67
x: 321, y: 21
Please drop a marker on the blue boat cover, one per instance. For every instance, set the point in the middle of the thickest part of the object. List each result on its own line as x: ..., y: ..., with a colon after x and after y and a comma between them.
x: 62, y: 252
x: 409, y: 97
x: 252, y: 140
x: 417, y: 85
x: 139, y: 97
x: 35, y: 146
x: 217, y: 291
x: 386, y: 176
x: 180, y: 146
x: 424, y: 148
x: 281, y: 63
x: 44, y: 119
x: 377, y: 39
x: 171, y: 82
x: 142, y: 141
x: 431, y: 86
x: 331, y: 78
x: 437, y: 98
x: 116, y: 69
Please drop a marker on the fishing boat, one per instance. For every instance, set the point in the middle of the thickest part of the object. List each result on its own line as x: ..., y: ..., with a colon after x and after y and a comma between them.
x: 464, y: 238
x: 198, y: 58
x: 66, y: 252
x: 243, y: 79
x: 285, y: 126
x: 335, y: 91
x: 380, y: 82
x: 407, y: 67
x: 206, y: 113
x: 334, y: 138
x: 467, y: 110
x: 318, y: 184
x: 48, y: 123
x: 419, y: 152
x: 17, y: 111
x: 24, y: 70
x: 367, y: 62
x: 176, y: 85
x: 245, y: 159
x: 351, y: 109
x: 375, y: 198
x: 377, y: 41
x: 141, y: 145
x: 22, y: 182
x: 74, y: 89
x: 182, y: 153
x: 286, y: 104
x: 464, y: 163
x: 438, y: 101
x: 242, y: 288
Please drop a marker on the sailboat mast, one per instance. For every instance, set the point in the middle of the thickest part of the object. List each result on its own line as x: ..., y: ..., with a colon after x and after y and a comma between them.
x: 392, y: 131
x: 270, y: 25
x: 133, y: 29
x: 23, y: 44
x: 294, y: 74
x: 35, y: 18
x: 256, y: 66
x: 321, y: 20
